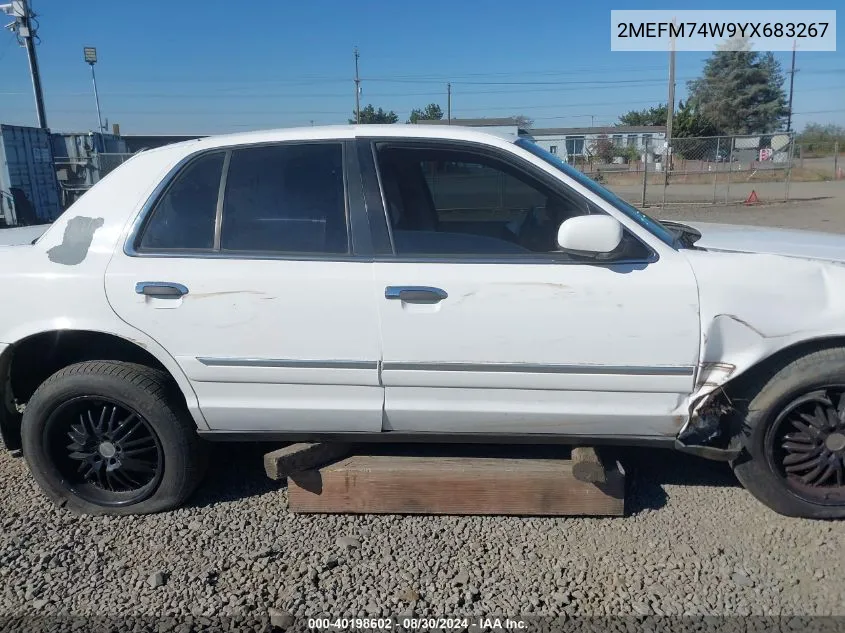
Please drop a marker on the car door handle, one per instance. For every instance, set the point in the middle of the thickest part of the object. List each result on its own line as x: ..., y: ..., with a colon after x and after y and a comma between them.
x: 415, y: 294
x: 161, y: 289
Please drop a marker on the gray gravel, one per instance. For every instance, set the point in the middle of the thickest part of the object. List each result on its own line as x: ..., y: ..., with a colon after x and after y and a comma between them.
x: 694, y: 543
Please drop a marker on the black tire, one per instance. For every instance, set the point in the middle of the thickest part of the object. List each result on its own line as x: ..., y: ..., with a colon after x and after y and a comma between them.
x: 795, y: 390
x: 168, y: 435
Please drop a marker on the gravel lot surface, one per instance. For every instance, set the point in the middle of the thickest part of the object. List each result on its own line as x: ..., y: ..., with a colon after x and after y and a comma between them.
x: 694, y: 543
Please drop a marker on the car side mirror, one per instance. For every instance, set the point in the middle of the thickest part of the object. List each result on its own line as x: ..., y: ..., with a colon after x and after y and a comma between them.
x: 590, y: 235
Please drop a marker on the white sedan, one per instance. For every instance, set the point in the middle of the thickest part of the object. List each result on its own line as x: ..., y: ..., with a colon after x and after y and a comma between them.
x: 390, y: 282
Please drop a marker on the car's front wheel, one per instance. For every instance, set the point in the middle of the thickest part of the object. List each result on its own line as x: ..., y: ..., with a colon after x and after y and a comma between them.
x: 108, y: 437
x: 794, y: 438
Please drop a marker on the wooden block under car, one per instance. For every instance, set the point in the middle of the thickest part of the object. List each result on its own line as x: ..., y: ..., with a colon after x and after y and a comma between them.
x: 280, y: 463
x: 405, y: 484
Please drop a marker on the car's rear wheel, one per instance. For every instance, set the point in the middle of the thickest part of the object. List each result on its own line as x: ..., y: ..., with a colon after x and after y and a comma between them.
x: 794, y: 438
x: 107, y: 437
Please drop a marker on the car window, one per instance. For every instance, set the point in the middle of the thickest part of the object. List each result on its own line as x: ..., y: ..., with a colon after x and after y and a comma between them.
x: 183, y: 218
x: 644, y: 220
x: 443, y: 201
x: 285, y: 198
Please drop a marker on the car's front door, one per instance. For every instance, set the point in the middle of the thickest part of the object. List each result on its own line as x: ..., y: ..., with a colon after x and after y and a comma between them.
x: 485, y: 328
x: 244, y: 270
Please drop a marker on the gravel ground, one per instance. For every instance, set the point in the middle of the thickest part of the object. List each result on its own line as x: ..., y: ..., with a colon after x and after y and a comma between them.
x: 694, y: 542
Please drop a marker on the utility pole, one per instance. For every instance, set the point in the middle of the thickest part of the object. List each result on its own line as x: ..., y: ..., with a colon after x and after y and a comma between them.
x: 357, y: 88
x: 90, y: 55
x: 449, y: 103
x: 22, y: 26
x: 791, y: 83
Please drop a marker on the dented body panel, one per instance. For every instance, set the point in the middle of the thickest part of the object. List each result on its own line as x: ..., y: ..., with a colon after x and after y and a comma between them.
x: 290, y: 344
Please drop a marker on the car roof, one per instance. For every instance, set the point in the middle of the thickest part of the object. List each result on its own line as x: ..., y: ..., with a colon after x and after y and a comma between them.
x: 450, y: 132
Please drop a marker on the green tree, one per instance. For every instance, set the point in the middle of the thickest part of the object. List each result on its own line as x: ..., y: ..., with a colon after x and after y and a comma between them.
x: 370, y: 115
x: 648, y: 116
x: 693, y: 134
x: 689, y: 122
x: 740, y: 91
x: 432, y: 112
x: 815, y: 135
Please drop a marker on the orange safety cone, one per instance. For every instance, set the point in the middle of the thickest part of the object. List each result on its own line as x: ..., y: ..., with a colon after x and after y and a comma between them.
x: 752, y: 198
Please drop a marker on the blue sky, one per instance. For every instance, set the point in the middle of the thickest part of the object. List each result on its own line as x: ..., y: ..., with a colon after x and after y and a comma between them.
x: 186, y: 66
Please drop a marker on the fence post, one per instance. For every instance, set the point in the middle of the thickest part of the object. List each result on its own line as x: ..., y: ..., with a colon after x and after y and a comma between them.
x: 801, y: 154
x: 667, y: 159
x: 836, y: 160
x: 789, y: 165
x: 731, y: 140
x: 645, y: 167
x: 716, y: 170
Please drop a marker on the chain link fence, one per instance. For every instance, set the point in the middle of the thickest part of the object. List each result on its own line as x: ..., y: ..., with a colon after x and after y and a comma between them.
x: 823, y: 161
x: 702, y: 170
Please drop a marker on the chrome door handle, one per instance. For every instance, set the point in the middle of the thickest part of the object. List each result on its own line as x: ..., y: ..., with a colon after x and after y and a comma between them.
x: 161, y: 289
x: 415, y: 294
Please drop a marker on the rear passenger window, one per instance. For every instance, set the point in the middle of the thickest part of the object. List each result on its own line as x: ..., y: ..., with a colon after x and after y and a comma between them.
x: 285, y: 199
x: 183, y: 218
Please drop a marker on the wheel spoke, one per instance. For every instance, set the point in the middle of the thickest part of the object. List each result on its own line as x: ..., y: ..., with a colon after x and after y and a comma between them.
x: 798, y: 447
x: 78, y: 455
x: 810, y: 476
x: 101, y: 423
x: 77, y: 434
x: 126, y: 480
x: 828, y: 473
x: 808, y: 430
x: 818, y: 419
x: 802, y: 437
x: 138, y: 465
x: 135, y: 452
x: 126, y: 428
x: 149, y: 440
x: 112, y: 419
x: 801, y: 459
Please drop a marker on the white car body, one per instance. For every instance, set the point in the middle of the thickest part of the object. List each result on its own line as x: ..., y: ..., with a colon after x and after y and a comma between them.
x: 296, y: 346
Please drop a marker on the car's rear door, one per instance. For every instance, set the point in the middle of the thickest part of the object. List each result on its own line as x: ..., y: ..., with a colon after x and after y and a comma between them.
x: 486, y: 334
x: 248, y: 269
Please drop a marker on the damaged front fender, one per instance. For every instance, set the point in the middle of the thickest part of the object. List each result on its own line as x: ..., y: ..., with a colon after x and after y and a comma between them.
x: 753, y: 307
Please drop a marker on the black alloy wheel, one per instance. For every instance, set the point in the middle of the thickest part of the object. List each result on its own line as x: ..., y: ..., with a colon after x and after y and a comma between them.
x: 106, y: 452
x: 806, y: 445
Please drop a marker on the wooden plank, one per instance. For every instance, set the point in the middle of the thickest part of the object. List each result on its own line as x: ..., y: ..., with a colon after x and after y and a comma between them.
x: 453, y: 485
x: 280, y: 463
x: 587, y: 465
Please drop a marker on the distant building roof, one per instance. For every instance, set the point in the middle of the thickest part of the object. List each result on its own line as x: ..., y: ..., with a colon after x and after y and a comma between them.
x: 618, y: 129
x: 483, y: 122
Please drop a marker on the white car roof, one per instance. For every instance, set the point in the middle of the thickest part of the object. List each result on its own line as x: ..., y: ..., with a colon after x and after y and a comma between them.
x: 449, y: 132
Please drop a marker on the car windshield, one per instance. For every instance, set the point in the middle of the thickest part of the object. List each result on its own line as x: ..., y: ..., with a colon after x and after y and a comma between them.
x: 647, y: 222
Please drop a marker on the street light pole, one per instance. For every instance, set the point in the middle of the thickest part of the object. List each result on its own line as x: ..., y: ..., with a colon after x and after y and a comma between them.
x: 90, y: 55
x: 96, y: 97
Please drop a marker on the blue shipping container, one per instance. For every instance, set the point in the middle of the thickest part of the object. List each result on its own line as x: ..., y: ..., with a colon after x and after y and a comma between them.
x: 27, y: 174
